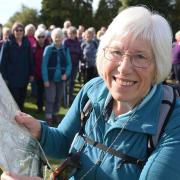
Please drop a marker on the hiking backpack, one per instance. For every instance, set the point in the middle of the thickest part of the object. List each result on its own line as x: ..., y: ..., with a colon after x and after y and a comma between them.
x: 170, y: 93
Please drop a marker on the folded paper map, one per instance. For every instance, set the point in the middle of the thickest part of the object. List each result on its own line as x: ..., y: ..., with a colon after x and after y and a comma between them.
x: 19, y: 151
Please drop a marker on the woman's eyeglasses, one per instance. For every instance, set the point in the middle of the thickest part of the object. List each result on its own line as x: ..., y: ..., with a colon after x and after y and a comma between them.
x: 19, y: 30
x: 139, y: 60
x: 41, y: 37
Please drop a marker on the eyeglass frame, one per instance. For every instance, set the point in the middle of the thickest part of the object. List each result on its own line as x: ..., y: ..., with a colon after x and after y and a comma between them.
x: 40, y: 37
x: 131, y: 57
x: 19, y: 30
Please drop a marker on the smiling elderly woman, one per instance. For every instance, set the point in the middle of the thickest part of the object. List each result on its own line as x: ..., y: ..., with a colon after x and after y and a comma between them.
x: 133, y: 58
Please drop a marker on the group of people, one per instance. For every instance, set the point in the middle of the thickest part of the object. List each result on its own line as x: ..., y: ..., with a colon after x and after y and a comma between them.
x: 175, y: 74
x: 49, y: 60
x: 133, y: 59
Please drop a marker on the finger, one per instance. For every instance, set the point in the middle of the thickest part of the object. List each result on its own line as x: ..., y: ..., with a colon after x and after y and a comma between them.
x: 7, y: 176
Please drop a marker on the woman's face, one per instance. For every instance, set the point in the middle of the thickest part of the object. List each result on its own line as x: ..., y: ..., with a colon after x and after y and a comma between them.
x: 18, y: 33
x: 71, y: 35
x: 41, y: 38
x: 57, y: 39
x: 126, y: 82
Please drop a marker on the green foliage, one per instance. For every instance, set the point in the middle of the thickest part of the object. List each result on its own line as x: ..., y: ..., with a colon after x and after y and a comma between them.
x: 81, y: 12
x: 168, y: 8
x: 25, y: 16
x: 57, y: 11
x: 107, y: 10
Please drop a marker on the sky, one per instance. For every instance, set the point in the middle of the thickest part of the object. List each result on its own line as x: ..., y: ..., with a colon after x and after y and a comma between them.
x: 9, y: 7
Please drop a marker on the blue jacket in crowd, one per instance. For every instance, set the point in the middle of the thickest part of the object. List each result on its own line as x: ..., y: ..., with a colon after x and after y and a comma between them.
x: 17, y: 62
x: 89, y: 52
x: 164, y: 162
x: 56, y: 62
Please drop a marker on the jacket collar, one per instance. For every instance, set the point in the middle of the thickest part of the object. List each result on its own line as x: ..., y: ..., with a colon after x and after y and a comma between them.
x: 143, y: 118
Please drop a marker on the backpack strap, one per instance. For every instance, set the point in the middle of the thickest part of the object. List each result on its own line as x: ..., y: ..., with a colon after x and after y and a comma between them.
x: 85, y: 115
x: 166, y: 109
x: 125, y: 158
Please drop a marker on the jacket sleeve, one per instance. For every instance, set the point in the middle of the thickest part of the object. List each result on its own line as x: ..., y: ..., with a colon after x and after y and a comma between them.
x: 4, y: 61
x: 164, y: 162
x: 31, y: 61
x: 68, y: 63
x: 45, y: 60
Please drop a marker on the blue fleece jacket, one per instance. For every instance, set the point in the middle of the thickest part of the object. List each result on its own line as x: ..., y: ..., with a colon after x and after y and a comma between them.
x: 56, y: 69
x: 164, y: 162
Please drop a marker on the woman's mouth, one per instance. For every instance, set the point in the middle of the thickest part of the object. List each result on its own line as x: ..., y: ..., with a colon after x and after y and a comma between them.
x: 124, y: 82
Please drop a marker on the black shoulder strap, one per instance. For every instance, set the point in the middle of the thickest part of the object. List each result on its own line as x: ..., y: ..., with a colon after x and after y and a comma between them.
x: 126, y: 158
x: 166, y: 109
x: 84, y: 115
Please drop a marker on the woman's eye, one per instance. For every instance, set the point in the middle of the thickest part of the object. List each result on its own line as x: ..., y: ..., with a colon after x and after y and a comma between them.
x: 116, y: 53
x: 140, y: 56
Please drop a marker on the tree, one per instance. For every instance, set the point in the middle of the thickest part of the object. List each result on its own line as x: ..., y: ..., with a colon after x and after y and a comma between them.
x: 57, y: 11
x: 82, y: 13
x: 25, y: 16
x: 168, y: 8
x: 174, y: 16
x: 106, y: 11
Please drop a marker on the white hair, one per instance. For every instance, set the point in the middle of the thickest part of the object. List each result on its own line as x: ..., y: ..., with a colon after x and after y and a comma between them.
x: 138, y: 21
x: 57, y: 31
x: 43, y: 26
x: 29, y: 27
x: 40, y: 32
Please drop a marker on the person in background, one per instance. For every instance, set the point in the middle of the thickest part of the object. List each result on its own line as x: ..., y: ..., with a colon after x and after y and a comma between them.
x: 43, y: 26
x: 176, y: 59
x: 81, y: 28
x: 52, y: 27
x: 17, y: 64
x: 93, y: 30
x: 40, y: 35
x: 74, y: 47
x: 99, y: 35
x: 103, y: 29
x: 89, y: 48
x: 56, y: 68
x: 79, y: 35
x: 5, y: 33
x: 66, y: 25
x: 133, y: 59
x: 29, y: 33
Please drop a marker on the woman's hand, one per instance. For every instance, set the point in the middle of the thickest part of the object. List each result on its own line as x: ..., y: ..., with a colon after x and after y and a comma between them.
x: 64, y: 77
x: 32, y: 124
x: 12, y: 176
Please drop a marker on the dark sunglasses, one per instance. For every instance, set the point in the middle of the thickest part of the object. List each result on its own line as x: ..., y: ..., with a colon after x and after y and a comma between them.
x: 19, y: 30
x: 41, y: 37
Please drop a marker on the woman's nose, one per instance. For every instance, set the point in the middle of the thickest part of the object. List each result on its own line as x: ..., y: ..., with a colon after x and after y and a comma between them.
x: 125, y: 64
